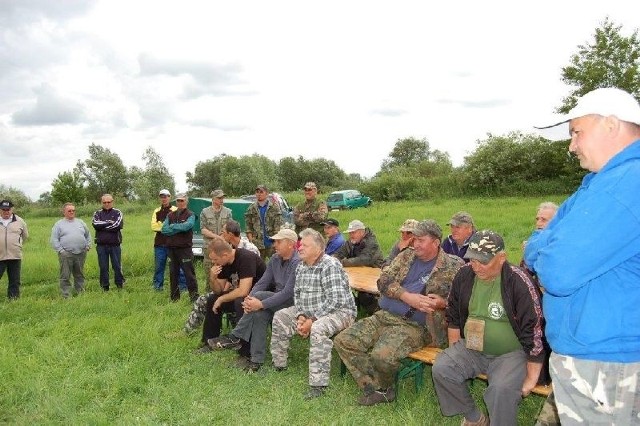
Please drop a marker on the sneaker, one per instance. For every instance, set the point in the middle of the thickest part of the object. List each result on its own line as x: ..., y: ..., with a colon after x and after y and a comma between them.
x: 224, y: 342
x: 483, y: 421
x: 315, y: 392
x: 252, y: 367
x: 377, y: 397
x: 203, y: 350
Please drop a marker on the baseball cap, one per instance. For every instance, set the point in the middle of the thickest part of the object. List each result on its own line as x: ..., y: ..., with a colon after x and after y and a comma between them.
x: 164, y: 192
x: 354, y: 225
x: 604, y: 101
x: 460, y: 218
x: 181, y: 196
x: 310, y: 185
x: 409, y: 225
x: 262, y: 188
x: 428, y: 227
x: 5, y: 204
x: 285, y: 234
x: 217, y: 193
x: 330, y: 222
x: 484, y: 245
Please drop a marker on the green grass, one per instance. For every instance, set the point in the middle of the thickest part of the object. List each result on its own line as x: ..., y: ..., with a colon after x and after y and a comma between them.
x: 108, y: 358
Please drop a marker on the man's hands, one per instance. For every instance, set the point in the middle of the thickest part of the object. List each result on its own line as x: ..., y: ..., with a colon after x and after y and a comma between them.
x: 251, y: 304
x: 303, y: 326
x: 428, y: 303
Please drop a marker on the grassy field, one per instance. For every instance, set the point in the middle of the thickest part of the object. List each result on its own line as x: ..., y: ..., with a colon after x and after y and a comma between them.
x: 113, y: 358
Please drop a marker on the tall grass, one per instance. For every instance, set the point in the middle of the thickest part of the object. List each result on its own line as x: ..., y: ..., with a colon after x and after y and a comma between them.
x: 113, y: 358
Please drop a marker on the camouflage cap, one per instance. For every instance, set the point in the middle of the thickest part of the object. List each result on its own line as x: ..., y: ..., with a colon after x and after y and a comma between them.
x: 217, y: 193
x: 262, y: 188
x: 409, y: 225
x: 428, y: 227
x: 285, y: 234
x: 310, y: 185
x: 484, y: 245
x: 461, y: 218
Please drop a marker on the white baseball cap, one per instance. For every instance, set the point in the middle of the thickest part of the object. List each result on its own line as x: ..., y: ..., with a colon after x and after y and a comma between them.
x: 604, y: 101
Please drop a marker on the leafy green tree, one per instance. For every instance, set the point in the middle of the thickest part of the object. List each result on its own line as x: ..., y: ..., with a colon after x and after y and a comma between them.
x: 155, y: 176
x: 611, y: 60
x: 104, y: 172
x: 206, y: 177
x: 410, y: 151
x: 17, y: 197
x: 45, y: 199
x: 68, y: 187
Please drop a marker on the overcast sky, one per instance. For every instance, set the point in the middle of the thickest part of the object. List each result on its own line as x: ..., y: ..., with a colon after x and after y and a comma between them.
x: 342, y: 80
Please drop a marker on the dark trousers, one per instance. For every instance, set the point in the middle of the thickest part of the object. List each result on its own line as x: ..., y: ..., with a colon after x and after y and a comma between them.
x: 182, y: 258
x: 104, y: 254
x: 213, y: 321
x: 12, y: 267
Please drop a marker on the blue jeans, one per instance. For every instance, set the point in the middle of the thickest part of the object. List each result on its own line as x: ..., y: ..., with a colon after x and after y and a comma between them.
x: 104, y: 254
x: 160, y: 254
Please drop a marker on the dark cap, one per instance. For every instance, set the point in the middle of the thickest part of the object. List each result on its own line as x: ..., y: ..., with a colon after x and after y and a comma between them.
x: 330, y: 222
x: 484, y: 245
x: 5, y: 204
x: 428, y: 227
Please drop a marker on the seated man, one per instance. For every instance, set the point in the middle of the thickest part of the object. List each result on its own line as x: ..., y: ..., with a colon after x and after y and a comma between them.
x: 271, y: 293
x: 226, y: 297
x: 405, y: 241
x: 323, y: 306
x: 414, y: 289
x: 362, y: 249
x: 335, y: 240
x: 231, y: 234
x: 495, y: 328
x: 462, y: 229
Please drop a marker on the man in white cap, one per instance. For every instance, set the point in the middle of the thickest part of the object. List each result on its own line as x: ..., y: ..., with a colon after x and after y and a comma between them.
x: 588, y: 260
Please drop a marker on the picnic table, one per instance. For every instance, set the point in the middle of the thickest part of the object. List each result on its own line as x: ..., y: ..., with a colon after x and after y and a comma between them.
x: 363, y: 278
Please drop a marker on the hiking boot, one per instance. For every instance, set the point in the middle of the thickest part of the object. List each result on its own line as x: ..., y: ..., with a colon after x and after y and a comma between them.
x: 252, y: 367
x: 483, y: 421
x: 315, y: 392
x: 377, y: 397
x: 224, y: 342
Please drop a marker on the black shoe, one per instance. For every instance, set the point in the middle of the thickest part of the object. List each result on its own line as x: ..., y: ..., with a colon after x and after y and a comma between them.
x: 252, y: 367
x: 315, y: 392
x: 377, y: 397
x: 224, y: 342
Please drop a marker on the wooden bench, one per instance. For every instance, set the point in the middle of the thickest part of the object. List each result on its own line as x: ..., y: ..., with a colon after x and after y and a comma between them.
x: 363, y: 278
x: 415, y: 362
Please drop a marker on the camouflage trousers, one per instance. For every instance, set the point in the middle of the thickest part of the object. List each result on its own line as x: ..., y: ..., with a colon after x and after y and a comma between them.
x: 322, y: 330
x: 373, y: 347
x: 595, y: 392
x: 196, y: 317
x: 549, y: 414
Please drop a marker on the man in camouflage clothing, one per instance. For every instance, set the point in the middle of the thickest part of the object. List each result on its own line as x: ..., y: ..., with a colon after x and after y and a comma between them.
x: 212, y: 219
x: 231, y: 234
x: 312, y: 211
x: 323, y: 306
x: 263, y: 218
x: 414, y: 289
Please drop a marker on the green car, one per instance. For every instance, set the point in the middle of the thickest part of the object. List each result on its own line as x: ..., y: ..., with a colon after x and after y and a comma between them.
x: 347, y: 199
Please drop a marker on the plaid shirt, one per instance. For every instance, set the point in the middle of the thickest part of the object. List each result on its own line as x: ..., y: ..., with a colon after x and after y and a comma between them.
x: 322, y: 288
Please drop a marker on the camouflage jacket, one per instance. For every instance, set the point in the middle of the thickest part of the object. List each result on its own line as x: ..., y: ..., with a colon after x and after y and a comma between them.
x: 309, y: 214
x: 439, y: 282
x: 273, y: 221
x: 365, y: 253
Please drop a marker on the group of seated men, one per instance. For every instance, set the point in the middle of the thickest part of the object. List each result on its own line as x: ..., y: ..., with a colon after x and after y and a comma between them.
x: 458, y: 293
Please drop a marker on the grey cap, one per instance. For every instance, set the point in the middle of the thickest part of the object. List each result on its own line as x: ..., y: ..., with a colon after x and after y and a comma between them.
x: 461, y: 218
x: 428, y: 227
x: 484, y: 245
x: 217, y: 193
x: 354, y: 225
x: 285, y: 234
x: 181, y: 196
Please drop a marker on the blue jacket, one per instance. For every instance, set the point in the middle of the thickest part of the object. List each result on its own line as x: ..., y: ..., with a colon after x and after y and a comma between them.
x: 588, y: 260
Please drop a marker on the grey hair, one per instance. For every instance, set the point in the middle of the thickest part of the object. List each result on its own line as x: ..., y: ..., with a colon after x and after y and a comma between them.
x: 548, y: 205
x: 316, y: 237
x: 65, y: 205
x: 232, y: 227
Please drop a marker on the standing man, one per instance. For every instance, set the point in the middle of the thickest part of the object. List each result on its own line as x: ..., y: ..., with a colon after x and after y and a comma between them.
x: 160, y: 250
x: 212, y: 220
x: 71, y: 239
x: 108, y: 222
x: 414, y: 290
x: 312, y: 211
x: 462, y: 228
x: 323, y: 306
x: 335, y: 240
x: 13, y: 233
x: 495, y: 328
x: 178, y: 227
x: 263, y: 218
x: 588, y: 261
x: 271, y: 293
